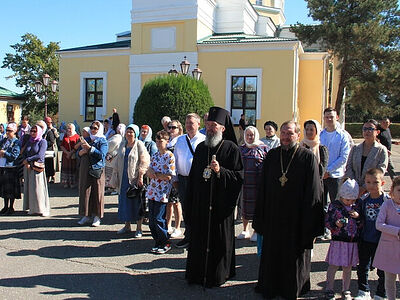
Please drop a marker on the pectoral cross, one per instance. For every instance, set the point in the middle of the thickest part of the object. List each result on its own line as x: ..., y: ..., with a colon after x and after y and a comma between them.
x: 283, y: 179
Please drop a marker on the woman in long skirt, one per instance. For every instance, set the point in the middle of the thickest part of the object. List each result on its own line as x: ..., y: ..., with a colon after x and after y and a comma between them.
x: 10, y: 188
x: 36, y: 196
x: 69, y: 160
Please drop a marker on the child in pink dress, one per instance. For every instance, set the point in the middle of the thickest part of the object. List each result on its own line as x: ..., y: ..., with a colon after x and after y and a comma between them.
x: 387, y: 256
x: 342, y: 219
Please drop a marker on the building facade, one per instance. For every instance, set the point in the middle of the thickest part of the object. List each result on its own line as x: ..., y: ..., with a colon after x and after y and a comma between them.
x: 10, y: 106
x: 250, y: 61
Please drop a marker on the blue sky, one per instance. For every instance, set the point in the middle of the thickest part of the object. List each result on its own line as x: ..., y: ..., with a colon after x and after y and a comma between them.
x: 76, y: 23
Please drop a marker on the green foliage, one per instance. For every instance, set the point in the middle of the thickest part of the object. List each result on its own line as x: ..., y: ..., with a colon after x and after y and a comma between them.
x: 365, y: 36
x: 171, y: 96
x: 29, y: 63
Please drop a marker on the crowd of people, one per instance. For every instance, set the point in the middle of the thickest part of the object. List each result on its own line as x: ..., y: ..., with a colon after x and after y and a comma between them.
x: 290, y: 192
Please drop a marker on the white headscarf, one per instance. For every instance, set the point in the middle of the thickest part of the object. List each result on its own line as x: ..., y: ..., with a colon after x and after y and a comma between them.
x: 312, y: 144
x: 73, y: 131
x: 257, y: 141
x: 99, y: 133
x: 121, y: 129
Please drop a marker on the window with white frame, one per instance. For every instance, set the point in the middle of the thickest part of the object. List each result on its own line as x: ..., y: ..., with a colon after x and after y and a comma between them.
x: 93, y: 95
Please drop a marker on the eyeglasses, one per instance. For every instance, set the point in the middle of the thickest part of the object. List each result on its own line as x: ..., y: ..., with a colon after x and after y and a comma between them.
x: 369, y: 129
x: 172, y: 127
x: 94, y: 128
x: 33, y: 130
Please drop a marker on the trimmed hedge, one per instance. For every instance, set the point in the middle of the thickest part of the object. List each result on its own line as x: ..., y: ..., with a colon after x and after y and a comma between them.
x: 355, y: 129
x: 171, y: 96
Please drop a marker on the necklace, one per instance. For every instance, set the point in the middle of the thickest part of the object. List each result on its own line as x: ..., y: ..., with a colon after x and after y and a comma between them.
x: 207, y: 170
x: 283, y: 179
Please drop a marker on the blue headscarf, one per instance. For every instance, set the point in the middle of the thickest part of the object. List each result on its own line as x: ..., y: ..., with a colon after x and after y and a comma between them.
x: 135, y: 129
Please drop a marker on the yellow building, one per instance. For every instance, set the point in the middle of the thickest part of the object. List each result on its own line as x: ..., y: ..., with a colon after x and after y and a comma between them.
x: 250, y: 61
x: 10, y: 106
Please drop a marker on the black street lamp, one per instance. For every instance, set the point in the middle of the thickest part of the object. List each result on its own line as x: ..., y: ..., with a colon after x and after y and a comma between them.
x: 45, y: 83
x: 185, y: 65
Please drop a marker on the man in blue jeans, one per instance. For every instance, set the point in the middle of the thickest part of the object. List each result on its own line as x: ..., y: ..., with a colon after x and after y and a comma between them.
x: 338, y: 144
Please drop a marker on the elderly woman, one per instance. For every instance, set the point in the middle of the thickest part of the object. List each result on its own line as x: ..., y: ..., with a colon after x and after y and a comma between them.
x: 10, y: 188
x: 175, y: 130
x: 253, y: 154
x: 312, y: 129
x: 145, y: 136
x: 270, y: 139
x: 92, y: 152
x: 36, y: 196
x: 369, y: 154
x: 113, y: 145
x: 131, y: 163
x: 68, y: 161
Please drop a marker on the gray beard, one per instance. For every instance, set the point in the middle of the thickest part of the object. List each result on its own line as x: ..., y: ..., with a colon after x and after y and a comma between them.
x: 213, y: 140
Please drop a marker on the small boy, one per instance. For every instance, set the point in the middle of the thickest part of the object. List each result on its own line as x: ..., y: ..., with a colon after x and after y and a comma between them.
x: 371, y: 203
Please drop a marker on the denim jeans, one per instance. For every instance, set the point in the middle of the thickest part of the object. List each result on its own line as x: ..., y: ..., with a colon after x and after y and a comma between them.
x: 157, y: 222
x: 366, y: 253
x: 182, y: 187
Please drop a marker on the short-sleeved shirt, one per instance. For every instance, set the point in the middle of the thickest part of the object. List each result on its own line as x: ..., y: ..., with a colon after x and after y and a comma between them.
x: 159, y: 190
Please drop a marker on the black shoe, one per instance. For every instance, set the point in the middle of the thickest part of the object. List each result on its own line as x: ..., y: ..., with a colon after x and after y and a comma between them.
x: 182, y: 244
x: 4, y: 210
x: 10, y: 211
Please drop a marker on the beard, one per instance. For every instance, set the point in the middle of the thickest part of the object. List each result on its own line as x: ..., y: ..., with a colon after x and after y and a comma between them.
x: 212, y: 140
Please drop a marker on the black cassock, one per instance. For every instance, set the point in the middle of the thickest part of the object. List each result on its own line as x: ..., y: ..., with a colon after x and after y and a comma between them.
x: 289, y: 217
x: 225, y: 193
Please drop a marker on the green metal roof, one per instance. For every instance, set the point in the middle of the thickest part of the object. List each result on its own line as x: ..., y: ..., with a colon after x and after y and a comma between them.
x: 5, y: 93
x: 241, y: 38
x: 114, y: 45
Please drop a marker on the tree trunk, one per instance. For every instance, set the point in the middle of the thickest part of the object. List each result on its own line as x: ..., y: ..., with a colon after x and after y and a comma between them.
x: 342, y: 86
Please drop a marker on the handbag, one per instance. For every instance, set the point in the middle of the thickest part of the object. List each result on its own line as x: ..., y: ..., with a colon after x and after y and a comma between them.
x: 133, y: 191
x: 95, y: 173
x: 37, y: 166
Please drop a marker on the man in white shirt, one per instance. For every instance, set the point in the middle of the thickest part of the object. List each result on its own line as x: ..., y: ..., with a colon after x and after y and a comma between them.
x: 184, y: 151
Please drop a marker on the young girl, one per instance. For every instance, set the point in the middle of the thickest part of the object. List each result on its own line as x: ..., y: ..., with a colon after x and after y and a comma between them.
x: 387, y: 256
x: 342, y: 219
x: 161, y: 171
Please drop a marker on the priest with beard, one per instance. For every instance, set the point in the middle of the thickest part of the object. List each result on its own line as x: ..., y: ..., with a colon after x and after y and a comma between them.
x: 214, y: 185
x: 289, y: 215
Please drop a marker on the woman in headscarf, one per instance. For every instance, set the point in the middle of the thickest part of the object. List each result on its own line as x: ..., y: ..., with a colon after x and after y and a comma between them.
x: 113, y: 144
x: 311, y: 132
x: 131, y: 164
x: 93, y: 152
x: 68, y: 161
x: 36, y: 196
x: 2, y: 131
x: 253, y: 153
x: 10, y: 188
x: 146, y: 137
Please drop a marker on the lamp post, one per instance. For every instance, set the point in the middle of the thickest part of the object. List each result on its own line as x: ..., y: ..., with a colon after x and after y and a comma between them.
x: 185, y: 65
x: 45, y: 83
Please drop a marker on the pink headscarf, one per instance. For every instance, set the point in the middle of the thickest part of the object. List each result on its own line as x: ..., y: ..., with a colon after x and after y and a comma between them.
x: 38, y: 134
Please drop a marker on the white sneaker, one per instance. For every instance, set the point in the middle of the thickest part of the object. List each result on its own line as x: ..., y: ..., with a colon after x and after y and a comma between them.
x: 363, y: 295
x: 138, y: 234
x: 84, y: 220
x: 96, y: 222
x: 243, y: 235
x: 376, y: 297
x: 176, y: 233
x: 253, y: 237
x: 171, y: 230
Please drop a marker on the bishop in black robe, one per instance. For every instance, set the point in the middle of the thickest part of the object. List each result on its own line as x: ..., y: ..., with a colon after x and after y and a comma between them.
x: 221, y: 193
x: 289, y: 217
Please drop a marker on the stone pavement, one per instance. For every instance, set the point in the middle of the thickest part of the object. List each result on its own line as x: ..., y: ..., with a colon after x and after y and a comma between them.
x: 55, y: 258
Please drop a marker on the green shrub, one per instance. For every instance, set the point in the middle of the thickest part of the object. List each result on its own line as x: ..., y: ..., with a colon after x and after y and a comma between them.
x: 355, y: 129
x: 171, y: 96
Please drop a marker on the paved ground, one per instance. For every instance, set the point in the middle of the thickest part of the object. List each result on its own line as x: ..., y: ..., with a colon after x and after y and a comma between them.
x: 55, y: 258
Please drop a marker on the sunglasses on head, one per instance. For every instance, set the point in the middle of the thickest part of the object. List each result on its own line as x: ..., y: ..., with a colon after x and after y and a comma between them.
x: 172, y: 127
x: 94, y: 128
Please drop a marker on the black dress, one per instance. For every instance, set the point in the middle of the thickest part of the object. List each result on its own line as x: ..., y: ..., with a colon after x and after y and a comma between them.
x: 49, y: 161
x: 224, y: 192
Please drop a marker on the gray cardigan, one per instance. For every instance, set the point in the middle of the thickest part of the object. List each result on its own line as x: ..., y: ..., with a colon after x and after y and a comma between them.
x: 377, y: 158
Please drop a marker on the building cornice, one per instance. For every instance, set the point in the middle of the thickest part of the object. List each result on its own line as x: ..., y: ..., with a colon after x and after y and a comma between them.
x: 314, y: 55
x: 234, y: 47
x: 95, y: 53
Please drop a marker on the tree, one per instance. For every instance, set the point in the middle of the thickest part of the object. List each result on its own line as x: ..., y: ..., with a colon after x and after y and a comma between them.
x: 29, y: 63
x: 171, y: 96
x: 364, y: 35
